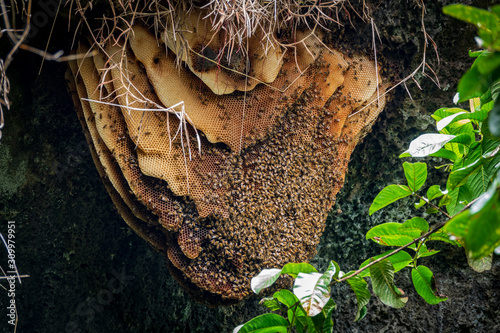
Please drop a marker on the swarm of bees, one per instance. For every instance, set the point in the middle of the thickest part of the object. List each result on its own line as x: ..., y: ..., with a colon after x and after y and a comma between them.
x: 225, y: 164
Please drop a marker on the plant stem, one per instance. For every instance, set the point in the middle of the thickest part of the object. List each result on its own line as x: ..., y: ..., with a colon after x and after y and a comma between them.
x: 292, y: 323
x: 433, y: 205
x: 416, y: 254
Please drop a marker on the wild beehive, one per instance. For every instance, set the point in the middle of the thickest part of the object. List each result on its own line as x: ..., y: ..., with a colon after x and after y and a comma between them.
x: 225, y: 156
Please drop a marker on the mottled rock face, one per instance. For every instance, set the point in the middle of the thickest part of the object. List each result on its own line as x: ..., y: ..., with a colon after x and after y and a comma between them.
x: 226, y: 163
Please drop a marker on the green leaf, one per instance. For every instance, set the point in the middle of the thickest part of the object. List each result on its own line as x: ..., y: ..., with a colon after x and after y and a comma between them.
x: 483, y: 19
x: 333, y: 266
x: 473, y: 83
x: 323, y: 321
x: 494, y: 120
x: 389, y: 195
x: 424, y: 283
x: 360, y: 288
x: 295, y: 311
x: 495, y: 88
x: 313, y: 289
x: 416, y: 174
x: 462, y: 116
x: 329, y: 307
x: 464, y: 139
x: 421, y: 203
x: 496, y: 10
x: 332, y: 271
x: 293, y: 269
x: 446, y: 200
x: 301, y: 328
x: 362, y: 313
x: 432, y: 210
x: 442, y: 237
x: 484, y: 226
x: 444, y: 153
x: 486, y: 198
x: 459, y: 197
x: 479, y: 227
x: 301, y: 318
x: 286, y: 297
x: 448, y: 120
x: 489, y: 147
x: 399, y: 261
x: 428, y: 253
x: 479, y: 181
x: 458, y: 226
x: 270, y: 303
x: 483, y: 103
x: 390, y: 234
x: 428, y: 144
x: 489, y: 63
x: 415, y: 225
x: 311, y: 328
x: 479, y: 167
x: 485, y: 129
x: 405, y: 154
x: 445, y: 112
x: 475, y: 54
x: 382, y: 275
x: 485, y: 100
x: 264, y: 279
x: 266, y: 323
x: 435, y: 192
x: 482, y: 264
x: 267, y: 277
x: 424, y: 252
x: 460, y: 176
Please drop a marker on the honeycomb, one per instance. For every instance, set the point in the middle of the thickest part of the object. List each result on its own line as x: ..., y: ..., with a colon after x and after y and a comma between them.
x: 226, y: 164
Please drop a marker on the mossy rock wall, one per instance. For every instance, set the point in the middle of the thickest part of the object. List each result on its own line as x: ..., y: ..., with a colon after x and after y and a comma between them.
x: 90, y: 273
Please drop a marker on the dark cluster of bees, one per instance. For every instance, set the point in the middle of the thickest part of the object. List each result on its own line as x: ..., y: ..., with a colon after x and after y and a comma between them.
x: 268, y: 201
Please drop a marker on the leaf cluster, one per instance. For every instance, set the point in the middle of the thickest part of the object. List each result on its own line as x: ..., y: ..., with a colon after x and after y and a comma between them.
x: 469, y: 140
x: 307, y: 307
